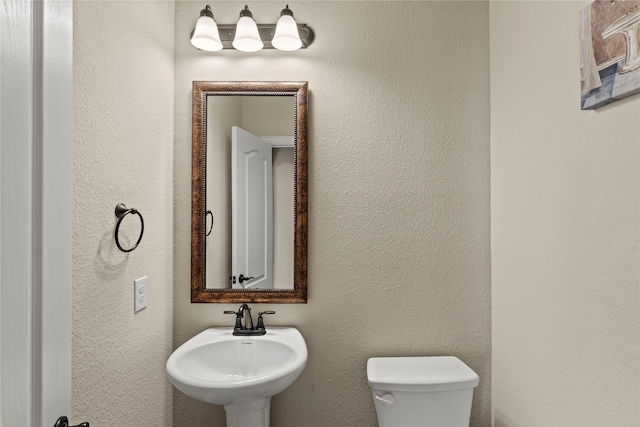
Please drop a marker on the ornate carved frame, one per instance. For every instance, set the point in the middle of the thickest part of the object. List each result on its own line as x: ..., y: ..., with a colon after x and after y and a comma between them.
x: 199, y: 292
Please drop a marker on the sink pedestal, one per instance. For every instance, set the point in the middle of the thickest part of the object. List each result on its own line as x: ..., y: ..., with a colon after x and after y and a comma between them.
x: 249, y: 414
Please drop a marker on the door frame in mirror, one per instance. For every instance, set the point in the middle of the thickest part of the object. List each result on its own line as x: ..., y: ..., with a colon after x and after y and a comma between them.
x: 199, y: 292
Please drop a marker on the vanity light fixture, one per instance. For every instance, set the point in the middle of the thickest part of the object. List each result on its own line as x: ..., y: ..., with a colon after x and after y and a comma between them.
x: 247, y: 36
x: 206, y: 36
x: 286, y: 36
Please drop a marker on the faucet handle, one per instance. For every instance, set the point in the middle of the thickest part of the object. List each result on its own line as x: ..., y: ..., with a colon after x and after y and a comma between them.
x: 238, y: 324
x: 260, y: 324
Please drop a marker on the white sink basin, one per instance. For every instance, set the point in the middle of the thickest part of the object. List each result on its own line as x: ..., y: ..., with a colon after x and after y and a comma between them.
x: 241, y: 373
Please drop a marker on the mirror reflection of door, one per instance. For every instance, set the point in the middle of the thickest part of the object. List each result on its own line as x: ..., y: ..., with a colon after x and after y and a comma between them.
x: 260, y: 116
x: 251, y: 211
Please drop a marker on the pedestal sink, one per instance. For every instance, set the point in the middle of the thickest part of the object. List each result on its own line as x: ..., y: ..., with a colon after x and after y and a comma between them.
x: 241, y: 373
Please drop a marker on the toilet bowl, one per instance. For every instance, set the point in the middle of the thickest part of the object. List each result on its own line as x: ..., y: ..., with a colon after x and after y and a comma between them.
x: 421, y: 391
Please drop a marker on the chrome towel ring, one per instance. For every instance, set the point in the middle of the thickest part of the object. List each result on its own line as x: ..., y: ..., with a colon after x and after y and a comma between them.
x: 121, y: 212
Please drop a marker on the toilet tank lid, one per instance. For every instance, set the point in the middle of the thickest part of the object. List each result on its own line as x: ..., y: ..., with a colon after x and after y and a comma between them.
x: 433, y: 373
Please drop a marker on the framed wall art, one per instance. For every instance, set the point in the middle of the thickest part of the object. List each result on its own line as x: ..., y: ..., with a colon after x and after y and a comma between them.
x: 610, y: 52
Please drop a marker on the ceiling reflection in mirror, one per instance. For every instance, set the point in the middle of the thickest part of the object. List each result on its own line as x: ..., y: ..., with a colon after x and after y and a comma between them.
x: 249, y: 181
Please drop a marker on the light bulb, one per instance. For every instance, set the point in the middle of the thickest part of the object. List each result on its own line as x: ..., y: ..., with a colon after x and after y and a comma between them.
x: 286, y: 36
x: 206, y: 36
x: 247, y: 38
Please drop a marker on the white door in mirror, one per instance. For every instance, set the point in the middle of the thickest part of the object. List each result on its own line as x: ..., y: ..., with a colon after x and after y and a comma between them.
x: 251, y: 210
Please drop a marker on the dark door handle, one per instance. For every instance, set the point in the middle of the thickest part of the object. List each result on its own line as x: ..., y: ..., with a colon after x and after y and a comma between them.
x: 64, y: 422
x: 242, y: 279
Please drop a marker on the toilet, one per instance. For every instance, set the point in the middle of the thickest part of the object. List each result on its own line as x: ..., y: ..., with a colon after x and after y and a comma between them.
x: 421, y: 391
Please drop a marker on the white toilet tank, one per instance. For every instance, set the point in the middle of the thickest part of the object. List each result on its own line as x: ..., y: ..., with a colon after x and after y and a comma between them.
x: 421, y: 391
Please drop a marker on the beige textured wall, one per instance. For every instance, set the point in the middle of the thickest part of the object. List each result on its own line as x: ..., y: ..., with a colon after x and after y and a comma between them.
x: 565, y: 238
x: 122, y: 152
x: 398, y: 196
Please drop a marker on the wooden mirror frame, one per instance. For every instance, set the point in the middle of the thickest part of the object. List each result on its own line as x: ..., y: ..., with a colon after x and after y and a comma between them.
x: 199, y: 292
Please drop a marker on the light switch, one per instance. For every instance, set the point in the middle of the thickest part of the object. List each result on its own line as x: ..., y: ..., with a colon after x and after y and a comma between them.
x: 140, y: 293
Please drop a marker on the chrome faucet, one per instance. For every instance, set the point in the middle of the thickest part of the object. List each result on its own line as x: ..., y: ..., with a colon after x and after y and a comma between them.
x: 248, y: 328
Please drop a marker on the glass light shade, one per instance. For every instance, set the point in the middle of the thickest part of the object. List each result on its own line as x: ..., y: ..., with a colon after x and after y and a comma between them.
x: 286, y: 36
x: 247, y: 38
x: 206, y: 35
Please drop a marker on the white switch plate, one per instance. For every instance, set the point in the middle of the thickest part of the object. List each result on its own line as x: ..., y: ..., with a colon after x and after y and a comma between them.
x: 140, y: 293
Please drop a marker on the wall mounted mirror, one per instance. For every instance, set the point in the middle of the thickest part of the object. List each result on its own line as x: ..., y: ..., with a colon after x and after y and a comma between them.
x: 249, y: 192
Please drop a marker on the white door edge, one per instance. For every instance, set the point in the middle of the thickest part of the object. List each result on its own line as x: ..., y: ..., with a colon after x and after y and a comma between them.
x: 35, y: 231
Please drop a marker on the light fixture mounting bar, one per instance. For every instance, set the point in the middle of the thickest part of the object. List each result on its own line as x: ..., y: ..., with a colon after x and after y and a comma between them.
x: 228, y: 32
